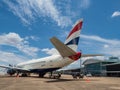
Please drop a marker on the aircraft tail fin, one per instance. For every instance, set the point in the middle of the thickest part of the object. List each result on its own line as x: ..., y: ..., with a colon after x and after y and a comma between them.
x: 69, y: 48
x: 73, y: 37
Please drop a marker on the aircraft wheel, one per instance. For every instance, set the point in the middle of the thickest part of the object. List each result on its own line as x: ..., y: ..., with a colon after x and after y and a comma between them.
x: 24, y: 75
x: 41, y: 75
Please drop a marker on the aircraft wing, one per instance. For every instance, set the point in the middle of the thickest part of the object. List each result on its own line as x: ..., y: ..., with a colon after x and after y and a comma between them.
x: 2, y: 66
x: 91, y: 55
x: 63, y: 49
x: 15, y: 68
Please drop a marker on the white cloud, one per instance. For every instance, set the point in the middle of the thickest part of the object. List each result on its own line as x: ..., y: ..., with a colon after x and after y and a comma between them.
x: 51, y: 51
x: 85, y: 3
x: 32, y: 37
x: 62, y: 12
x: 99, y: 39
x: 29, y: 10
x: 14, y: 40
x: 10, y: 39
x: 11, y: 58
x: 106, y: 46
x: 115, y: 14
x: 102, y: 45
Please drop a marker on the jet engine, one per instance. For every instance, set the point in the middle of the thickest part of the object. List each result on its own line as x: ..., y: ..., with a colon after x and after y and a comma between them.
x: 11, y: 71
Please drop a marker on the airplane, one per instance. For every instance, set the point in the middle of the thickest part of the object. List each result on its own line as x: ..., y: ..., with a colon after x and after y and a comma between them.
x: 67, y: 54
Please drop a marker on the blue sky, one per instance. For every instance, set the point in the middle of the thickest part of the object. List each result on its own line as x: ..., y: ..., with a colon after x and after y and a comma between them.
x: 27, y: 25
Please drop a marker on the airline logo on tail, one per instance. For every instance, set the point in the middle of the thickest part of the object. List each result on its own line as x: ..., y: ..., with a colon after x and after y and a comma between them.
x: 73, y: 38
x: 69, y: 48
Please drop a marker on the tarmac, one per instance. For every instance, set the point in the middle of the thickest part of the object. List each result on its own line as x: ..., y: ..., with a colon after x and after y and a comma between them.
x: 66, y: 82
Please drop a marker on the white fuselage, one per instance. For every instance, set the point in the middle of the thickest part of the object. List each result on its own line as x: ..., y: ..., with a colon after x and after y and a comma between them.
x: 56, y: 61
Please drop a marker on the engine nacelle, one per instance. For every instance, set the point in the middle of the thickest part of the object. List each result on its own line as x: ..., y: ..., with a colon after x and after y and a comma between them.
x: 11, y: 71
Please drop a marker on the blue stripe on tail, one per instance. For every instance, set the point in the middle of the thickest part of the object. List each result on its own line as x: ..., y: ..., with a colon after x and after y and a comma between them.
x: 73, y: 41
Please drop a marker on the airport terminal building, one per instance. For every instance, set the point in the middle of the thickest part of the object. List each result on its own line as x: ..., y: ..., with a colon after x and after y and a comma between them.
x: 110, y: 67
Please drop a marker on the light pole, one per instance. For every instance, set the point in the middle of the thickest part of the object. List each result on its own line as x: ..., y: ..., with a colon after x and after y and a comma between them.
x: 80, y: 65
x: 80, y: 61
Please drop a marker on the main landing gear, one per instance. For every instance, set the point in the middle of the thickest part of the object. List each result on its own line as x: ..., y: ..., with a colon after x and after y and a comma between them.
x: 41, y: 75
x: 24, y: 75
x: 55, y: 75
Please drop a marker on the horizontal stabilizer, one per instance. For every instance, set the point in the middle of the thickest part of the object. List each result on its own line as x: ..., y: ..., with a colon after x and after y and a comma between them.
x: 91, y: 55
x: 63, y: 49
